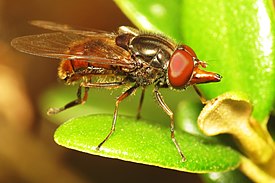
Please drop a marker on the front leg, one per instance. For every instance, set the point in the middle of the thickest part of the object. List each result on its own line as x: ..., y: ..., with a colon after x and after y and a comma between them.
x: 202, y: 98
x: 172, y: 124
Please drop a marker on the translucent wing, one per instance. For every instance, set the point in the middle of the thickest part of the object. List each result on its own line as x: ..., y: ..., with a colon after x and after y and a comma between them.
x: 95, y: 47
x: 65, y: 28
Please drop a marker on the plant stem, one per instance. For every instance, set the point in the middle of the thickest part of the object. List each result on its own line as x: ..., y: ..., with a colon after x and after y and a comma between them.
x: 254, y: 172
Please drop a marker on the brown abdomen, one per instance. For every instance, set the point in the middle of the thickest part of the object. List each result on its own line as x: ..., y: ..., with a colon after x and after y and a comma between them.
x: 74, y: 70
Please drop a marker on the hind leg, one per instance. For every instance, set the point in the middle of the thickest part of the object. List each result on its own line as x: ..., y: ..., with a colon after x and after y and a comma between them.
x: 77, y: 101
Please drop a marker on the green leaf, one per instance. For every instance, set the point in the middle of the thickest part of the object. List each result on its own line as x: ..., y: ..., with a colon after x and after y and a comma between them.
x: 236, y: 38
x: 239, y: 37
x: 142, y: 142
x: 154, y: 15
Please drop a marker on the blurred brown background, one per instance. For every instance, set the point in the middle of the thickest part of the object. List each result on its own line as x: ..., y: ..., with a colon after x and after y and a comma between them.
x: 27, y: 150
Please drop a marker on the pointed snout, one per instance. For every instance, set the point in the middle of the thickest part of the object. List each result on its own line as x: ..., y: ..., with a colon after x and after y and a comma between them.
x: 201, y: 76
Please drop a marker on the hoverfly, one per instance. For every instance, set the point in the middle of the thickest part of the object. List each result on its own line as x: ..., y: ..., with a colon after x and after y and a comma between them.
x: 127, y: 57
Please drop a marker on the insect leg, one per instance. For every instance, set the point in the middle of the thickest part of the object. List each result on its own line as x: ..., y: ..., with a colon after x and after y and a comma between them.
x: 73, y: 103
x: 202, y: 98
x: 119, y: 99
x: 172, y: 124
x: 140, y: 102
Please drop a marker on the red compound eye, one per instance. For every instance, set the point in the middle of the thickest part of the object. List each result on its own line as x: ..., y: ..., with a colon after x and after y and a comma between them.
x: 180, y: 68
